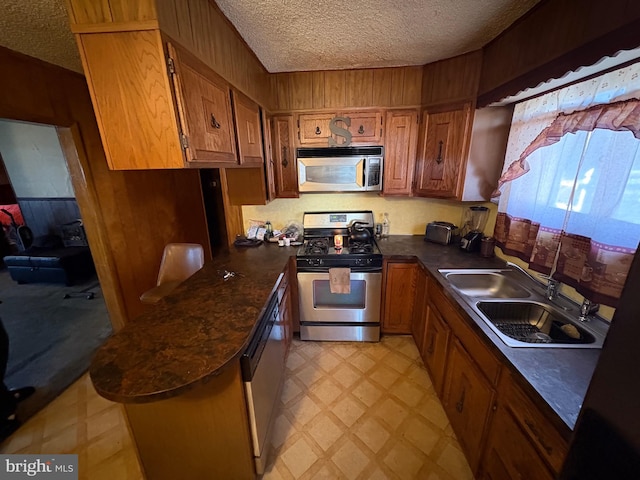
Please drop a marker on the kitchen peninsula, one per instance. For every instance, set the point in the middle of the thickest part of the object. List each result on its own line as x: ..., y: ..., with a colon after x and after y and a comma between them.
x: 176, y: 368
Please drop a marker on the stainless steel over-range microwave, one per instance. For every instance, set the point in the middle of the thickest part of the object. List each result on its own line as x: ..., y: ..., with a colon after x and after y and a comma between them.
x: 340, y: 169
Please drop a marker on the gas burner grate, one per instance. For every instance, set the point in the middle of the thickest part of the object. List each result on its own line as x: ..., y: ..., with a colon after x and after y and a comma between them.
x: 360, y: 247
x: 318, y: 246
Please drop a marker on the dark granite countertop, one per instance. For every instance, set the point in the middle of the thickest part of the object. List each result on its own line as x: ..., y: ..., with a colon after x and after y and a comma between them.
x: 559, y: 376
x: 195, y: 332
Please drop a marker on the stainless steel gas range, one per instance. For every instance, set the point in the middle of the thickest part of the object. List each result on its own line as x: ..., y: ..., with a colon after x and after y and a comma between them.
x: 352, y: 316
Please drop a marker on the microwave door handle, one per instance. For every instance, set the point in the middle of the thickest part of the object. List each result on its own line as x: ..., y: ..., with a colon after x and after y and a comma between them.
x: 365, y: 173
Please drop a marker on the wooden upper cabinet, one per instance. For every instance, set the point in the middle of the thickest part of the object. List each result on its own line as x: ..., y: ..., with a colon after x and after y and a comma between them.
x: 131, y: 95
x: 248, y: 130
x: 283, y: 154
x: 366, y: 127
x: 314, y: 128
x: 362, y: 128
x: 401, y: 136
x: 204, y: 108
x: 442, y: 153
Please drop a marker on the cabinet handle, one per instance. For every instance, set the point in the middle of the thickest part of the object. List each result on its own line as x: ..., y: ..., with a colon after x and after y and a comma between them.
x: 214, y: 122
x: 460, y: 404
x: 431, y: 347
x: 361, y: 129
x: 439, y: 158
x: 318, y: 131
x: 285, y: 162
x: 535, y: 432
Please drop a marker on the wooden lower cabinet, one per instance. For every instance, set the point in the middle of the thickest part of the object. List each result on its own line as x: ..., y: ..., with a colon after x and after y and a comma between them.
x: 503, y: 432
x: 522, y: 442
x: 399, y: 285
x: 420, y: 308
x: 509, y: 454
x: 435, y: 347
x: 468, y: 400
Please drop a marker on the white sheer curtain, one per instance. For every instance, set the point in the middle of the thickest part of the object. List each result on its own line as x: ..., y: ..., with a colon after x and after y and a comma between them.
x: 570, y: 202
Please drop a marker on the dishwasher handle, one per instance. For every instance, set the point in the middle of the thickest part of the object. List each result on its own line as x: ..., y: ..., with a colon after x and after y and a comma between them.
x: 251, y: 356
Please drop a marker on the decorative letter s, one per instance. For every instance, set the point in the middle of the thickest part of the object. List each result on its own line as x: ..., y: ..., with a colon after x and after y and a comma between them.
x: 341, y: 132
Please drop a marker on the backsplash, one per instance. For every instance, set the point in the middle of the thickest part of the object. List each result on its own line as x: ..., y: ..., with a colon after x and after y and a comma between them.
x: 408, y: 216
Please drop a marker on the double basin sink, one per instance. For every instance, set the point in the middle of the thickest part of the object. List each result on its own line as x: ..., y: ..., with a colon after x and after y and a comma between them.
x: 516, y: 309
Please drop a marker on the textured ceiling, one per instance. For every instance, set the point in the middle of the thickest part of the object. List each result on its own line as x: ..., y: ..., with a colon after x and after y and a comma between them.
x: 295, y: 35
x: 39, y: 28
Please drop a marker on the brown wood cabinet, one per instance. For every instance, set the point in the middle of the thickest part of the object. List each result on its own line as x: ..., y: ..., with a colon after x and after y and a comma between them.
x: 435, y: 348
x: 467, y: 399
x: 365, y: 127
x: 283, y: 153
x: 401, y: 136
x: 535, y: 448
x: 204, y: 109
x: 399, y: 284
x: 313, y: 128
x: 442, y: 153
x: 246, y: 115
x: 420, y: 308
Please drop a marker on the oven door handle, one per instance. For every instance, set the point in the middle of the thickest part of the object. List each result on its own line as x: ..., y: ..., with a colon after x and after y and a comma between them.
x: 326, y: 269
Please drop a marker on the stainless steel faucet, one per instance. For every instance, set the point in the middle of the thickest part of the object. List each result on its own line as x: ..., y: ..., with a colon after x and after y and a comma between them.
x: 587, y: 308
x: 553, y: 287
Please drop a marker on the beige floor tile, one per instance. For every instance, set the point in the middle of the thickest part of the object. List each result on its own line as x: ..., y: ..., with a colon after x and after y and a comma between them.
x: 299, y: 457
x: 348, y: 411
x: 373, y: 434
x: 454, y: 462
x: 365, y: 411
x: 403, y: 462
x: 326, y: 390
x: 350, y: 460
x: 325, y: 432
x: 367, y: 393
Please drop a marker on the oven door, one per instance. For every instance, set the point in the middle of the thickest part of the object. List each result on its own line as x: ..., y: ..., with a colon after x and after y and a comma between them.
x: 330, y: 316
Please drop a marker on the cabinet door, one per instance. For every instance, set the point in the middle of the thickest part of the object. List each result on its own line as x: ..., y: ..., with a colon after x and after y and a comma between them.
x: 366, y: 127
x: 434, y: 348
x: 247, y: 119
x: 442, y: 153
x: 508, y: 453
x: 204, y: 107
x: 284, y: 161
x: 401, y: 135
x: 399, y: 293
x: 467, y: 399
x: 420, y: 308
x: 314, y: 128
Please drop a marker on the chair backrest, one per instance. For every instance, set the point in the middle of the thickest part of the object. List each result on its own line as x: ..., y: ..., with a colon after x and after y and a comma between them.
x: 180, y: 261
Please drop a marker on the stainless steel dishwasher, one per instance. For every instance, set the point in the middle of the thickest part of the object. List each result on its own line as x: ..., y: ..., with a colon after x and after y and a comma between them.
x: 263, y: 375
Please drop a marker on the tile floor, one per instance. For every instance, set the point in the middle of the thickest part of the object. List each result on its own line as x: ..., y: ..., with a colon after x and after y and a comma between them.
x: 348, y: 411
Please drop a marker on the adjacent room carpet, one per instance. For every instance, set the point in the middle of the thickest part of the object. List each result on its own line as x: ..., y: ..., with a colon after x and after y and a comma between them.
x: 51, y: 339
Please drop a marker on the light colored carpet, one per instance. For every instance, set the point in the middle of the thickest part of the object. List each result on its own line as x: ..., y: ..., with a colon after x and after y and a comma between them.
x: 51, y: 339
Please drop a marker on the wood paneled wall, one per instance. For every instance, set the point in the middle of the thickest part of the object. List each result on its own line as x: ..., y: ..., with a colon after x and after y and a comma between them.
x: 200, y: 26
x: 44, y: 216
x: 128, y: 216
x: 375, y: 87
x: 451, y: 80
x: 553, y: 38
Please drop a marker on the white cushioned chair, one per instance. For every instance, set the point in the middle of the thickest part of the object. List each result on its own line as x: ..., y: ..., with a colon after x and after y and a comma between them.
x: 179, y: 262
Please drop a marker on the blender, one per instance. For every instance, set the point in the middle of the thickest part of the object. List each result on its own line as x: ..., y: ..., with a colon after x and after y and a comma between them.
x: 473, y: 226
